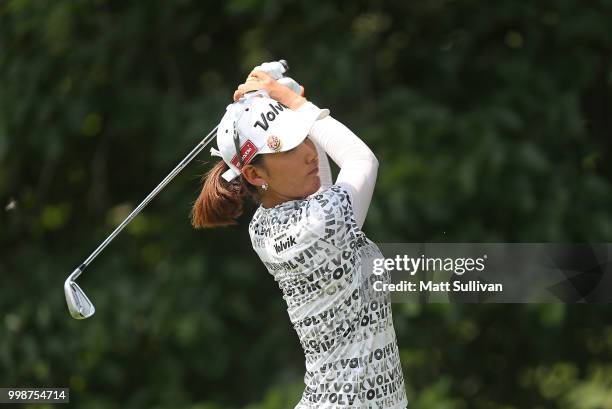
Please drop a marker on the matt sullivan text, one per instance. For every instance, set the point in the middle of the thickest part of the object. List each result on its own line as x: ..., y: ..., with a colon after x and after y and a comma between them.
x: 407, y: 286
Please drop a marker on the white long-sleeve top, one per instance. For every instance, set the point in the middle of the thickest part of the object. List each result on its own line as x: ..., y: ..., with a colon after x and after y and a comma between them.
x: 358, y: 165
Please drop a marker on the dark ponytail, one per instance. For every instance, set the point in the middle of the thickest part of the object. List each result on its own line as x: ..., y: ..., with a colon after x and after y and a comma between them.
x: 220, y: 202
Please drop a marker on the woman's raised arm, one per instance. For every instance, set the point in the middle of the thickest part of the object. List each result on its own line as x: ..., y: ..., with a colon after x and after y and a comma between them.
x: 358, y: 164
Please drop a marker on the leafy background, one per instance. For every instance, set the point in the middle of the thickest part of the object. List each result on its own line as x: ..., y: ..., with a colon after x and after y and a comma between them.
x: 491, y: 120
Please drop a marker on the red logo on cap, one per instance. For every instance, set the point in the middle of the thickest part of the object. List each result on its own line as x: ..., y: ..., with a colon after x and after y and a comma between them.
x: 247, y: 151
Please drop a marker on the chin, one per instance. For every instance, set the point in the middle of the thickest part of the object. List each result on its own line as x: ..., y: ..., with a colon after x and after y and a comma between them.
x: 315, y: 186
x: 310, y: 188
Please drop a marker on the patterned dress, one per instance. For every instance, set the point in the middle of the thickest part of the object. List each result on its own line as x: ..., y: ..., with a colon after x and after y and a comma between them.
x: 315, y: 251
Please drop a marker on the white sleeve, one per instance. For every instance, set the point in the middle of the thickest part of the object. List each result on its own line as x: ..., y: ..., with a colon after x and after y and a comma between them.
x: 324, y: 168
x: 358, y: 165
x: 325, y: 174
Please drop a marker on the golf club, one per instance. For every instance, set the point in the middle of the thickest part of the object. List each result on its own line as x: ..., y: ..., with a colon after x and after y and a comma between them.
x: 79, y: 305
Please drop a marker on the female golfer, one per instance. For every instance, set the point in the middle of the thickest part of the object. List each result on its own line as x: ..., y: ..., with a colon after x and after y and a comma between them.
x: 307, y: 232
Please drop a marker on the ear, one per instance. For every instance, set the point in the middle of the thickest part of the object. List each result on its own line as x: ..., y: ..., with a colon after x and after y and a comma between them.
x: 255, y: 175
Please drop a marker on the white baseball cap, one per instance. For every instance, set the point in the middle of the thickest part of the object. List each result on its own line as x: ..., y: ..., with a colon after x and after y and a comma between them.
x: 258, y: 124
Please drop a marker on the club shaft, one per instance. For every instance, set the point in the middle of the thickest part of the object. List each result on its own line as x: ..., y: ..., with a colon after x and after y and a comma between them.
x: 207, y: 139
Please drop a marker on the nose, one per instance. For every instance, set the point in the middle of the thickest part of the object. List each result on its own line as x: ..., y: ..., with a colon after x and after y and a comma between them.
x: 311, y: 151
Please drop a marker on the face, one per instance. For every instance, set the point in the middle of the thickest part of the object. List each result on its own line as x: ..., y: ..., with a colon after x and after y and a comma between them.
x: 290, y: 175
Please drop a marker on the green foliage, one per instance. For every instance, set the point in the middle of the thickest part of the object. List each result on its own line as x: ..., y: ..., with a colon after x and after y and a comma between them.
x: 491, y: 122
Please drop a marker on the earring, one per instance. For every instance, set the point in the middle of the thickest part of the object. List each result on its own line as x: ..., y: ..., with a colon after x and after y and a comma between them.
x: 264, y: 186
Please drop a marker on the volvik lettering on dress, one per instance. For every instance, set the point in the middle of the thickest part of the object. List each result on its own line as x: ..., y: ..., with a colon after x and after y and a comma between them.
x: 267, y: 117
x: 284, y: 245
x: 346, y: 333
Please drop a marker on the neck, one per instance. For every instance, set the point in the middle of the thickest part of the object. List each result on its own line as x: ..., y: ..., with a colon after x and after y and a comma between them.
x: 271, y: 199
x: 268, y: 202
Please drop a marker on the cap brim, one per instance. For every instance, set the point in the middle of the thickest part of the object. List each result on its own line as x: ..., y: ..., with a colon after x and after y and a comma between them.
x: 298, y: 131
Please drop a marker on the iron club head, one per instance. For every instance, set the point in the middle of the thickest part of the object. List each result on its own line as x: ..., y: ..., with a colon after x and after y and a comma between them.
x: 79, y: 305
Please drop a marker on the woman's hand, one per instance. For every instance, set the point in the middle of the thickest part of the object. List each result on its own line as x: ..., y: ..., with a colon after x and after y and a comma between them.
x: 261, y: 80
